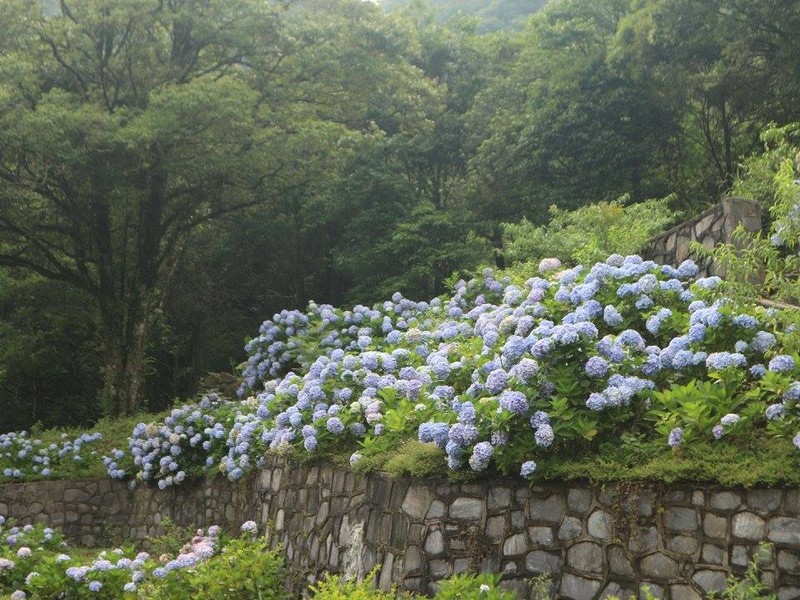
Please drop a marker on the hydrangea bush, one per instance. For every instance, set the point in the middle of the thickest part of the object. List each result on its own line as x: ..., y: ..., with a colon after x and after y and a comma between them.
x: 23, y: 456
x: 36, y: 563
x: 497, y: 375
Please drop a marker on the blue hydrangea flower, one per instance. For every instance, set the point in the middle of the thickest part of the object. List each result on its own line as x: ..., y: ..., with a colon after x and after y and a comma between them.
x: 783, y: 363
x: 596, y: 367
x: 632, y: 338
x: 683, y: 359
x: 525, y: 370
x: 481, y: 454
x: 708, y: 283
x: 544, y: 436
x: 675, y: 437
x: 436, y: 433
x: 462, y: 434
x: 719, y: 361
x: 540, y: 418
x: 335, y: 426
x: 496, y: 381
x: 612, y: 316
x: 792, y: 394
x: 729, y: 419
x: 763, y: 341
x: 528, y: 467
x: 513, y: 401
x: 775, y: 411
x: 746, y: 321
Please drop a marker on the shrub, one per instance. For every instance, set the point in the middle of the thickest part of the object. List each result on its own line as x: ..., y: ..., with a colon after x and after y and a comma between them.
x: 589, y: 233
x: 35, y: 561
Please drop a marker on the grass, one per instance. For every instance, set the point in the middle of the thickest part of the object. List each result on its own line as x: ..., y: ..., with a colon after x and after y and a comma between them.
x: 766, y: 462
x: 762, y: 462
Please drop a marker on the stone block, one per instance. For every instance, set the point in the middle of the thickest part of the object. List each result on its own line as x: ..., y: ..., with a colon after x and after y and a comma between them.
x: 711, y: 581
x: 434, y: 543
x: 680, y: 519
x: 682, y: 544
x: 385, y: 578
x: 712, y: 555
x: 659, y: 566
x: 655, y: 590
x: 467, y: 509
x: 440, y: 568
x: 726, y: 501
x: 715, y: 526
x: 684, y: 592
x: 436, y: 511
x: 788, y: 561
x: 618, y: 562
x: 413, y: 559
x: 417, y: 501
x: 541, y: 536
x: 540, y: 561
x: 643, y: 540
x: 579, y: 500
x: 600, y: 525
x: 517, y: 520
x: 499, y: 498
x: 586, y: 556
x: 789, y: 593
x: 495, y: 527
x: 739, y: 556
x: 515, y: 545
x: 578, y: 588
x: 785, y: 530
x: 547, y: 510
x: 764, y: 502
x: 748, y: 526
x: 571, y: 529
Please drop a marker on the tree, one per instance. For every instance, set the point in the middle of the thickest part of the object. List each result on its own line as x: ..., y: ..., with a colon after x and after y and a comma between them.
x: 731, y: 65
x: 565, y: 125
x: 127, y: 126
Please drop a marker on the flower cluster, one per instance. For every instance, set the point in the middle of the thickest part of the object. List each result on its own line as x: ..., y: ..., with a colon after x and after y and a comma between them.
x: 24, y: 457
x: 34, y: 559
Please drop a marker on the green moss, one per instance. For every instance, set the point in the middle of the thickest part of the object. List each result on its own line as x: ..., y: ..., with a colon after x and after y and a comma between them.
x: 415, y: 459
x: 765, y: 462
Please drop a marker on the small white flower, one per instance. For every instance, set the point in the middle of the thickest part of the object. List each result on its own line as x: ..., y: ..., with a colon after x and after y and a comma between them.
x: 484, y: 588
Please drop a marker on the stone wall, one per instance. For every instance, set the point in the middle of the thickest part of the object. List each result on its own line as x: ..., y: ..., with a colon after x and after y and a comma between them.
x: 102, y: 511
x: 592, y: 541
x: 710, y: 228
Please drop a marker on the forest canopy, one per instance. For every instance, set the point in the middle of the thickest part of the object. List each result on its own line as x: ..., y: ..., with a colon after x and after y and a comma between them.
x: 173, y: 172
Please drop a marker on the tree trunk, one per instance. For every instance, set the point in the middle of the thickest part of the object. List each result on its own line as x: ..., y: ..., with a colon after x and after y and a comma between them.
x: 125, y: 340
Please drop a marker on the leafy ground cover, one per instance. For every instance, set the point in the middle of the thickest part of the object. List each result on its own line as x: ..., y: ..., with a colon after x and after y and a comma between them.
x: 35, y: 562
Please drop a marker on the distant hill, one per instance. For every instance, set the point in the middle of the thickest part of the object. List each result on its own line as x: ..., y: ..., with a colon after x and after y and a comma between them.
x: 493, y: 14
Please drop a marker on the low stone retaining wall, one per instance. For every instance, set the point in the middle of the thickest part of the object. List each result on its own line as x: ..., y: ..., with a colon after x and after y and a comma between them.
x: 592, y: 541
x: 712, y: 227
x: 102, y: 511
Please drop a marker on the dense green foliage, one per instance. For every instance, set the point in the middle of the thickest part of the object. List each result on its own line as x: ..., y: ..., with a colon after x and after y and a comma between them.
x: 588, y: 234
x: 172, y: 172
x: 491, y: 15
